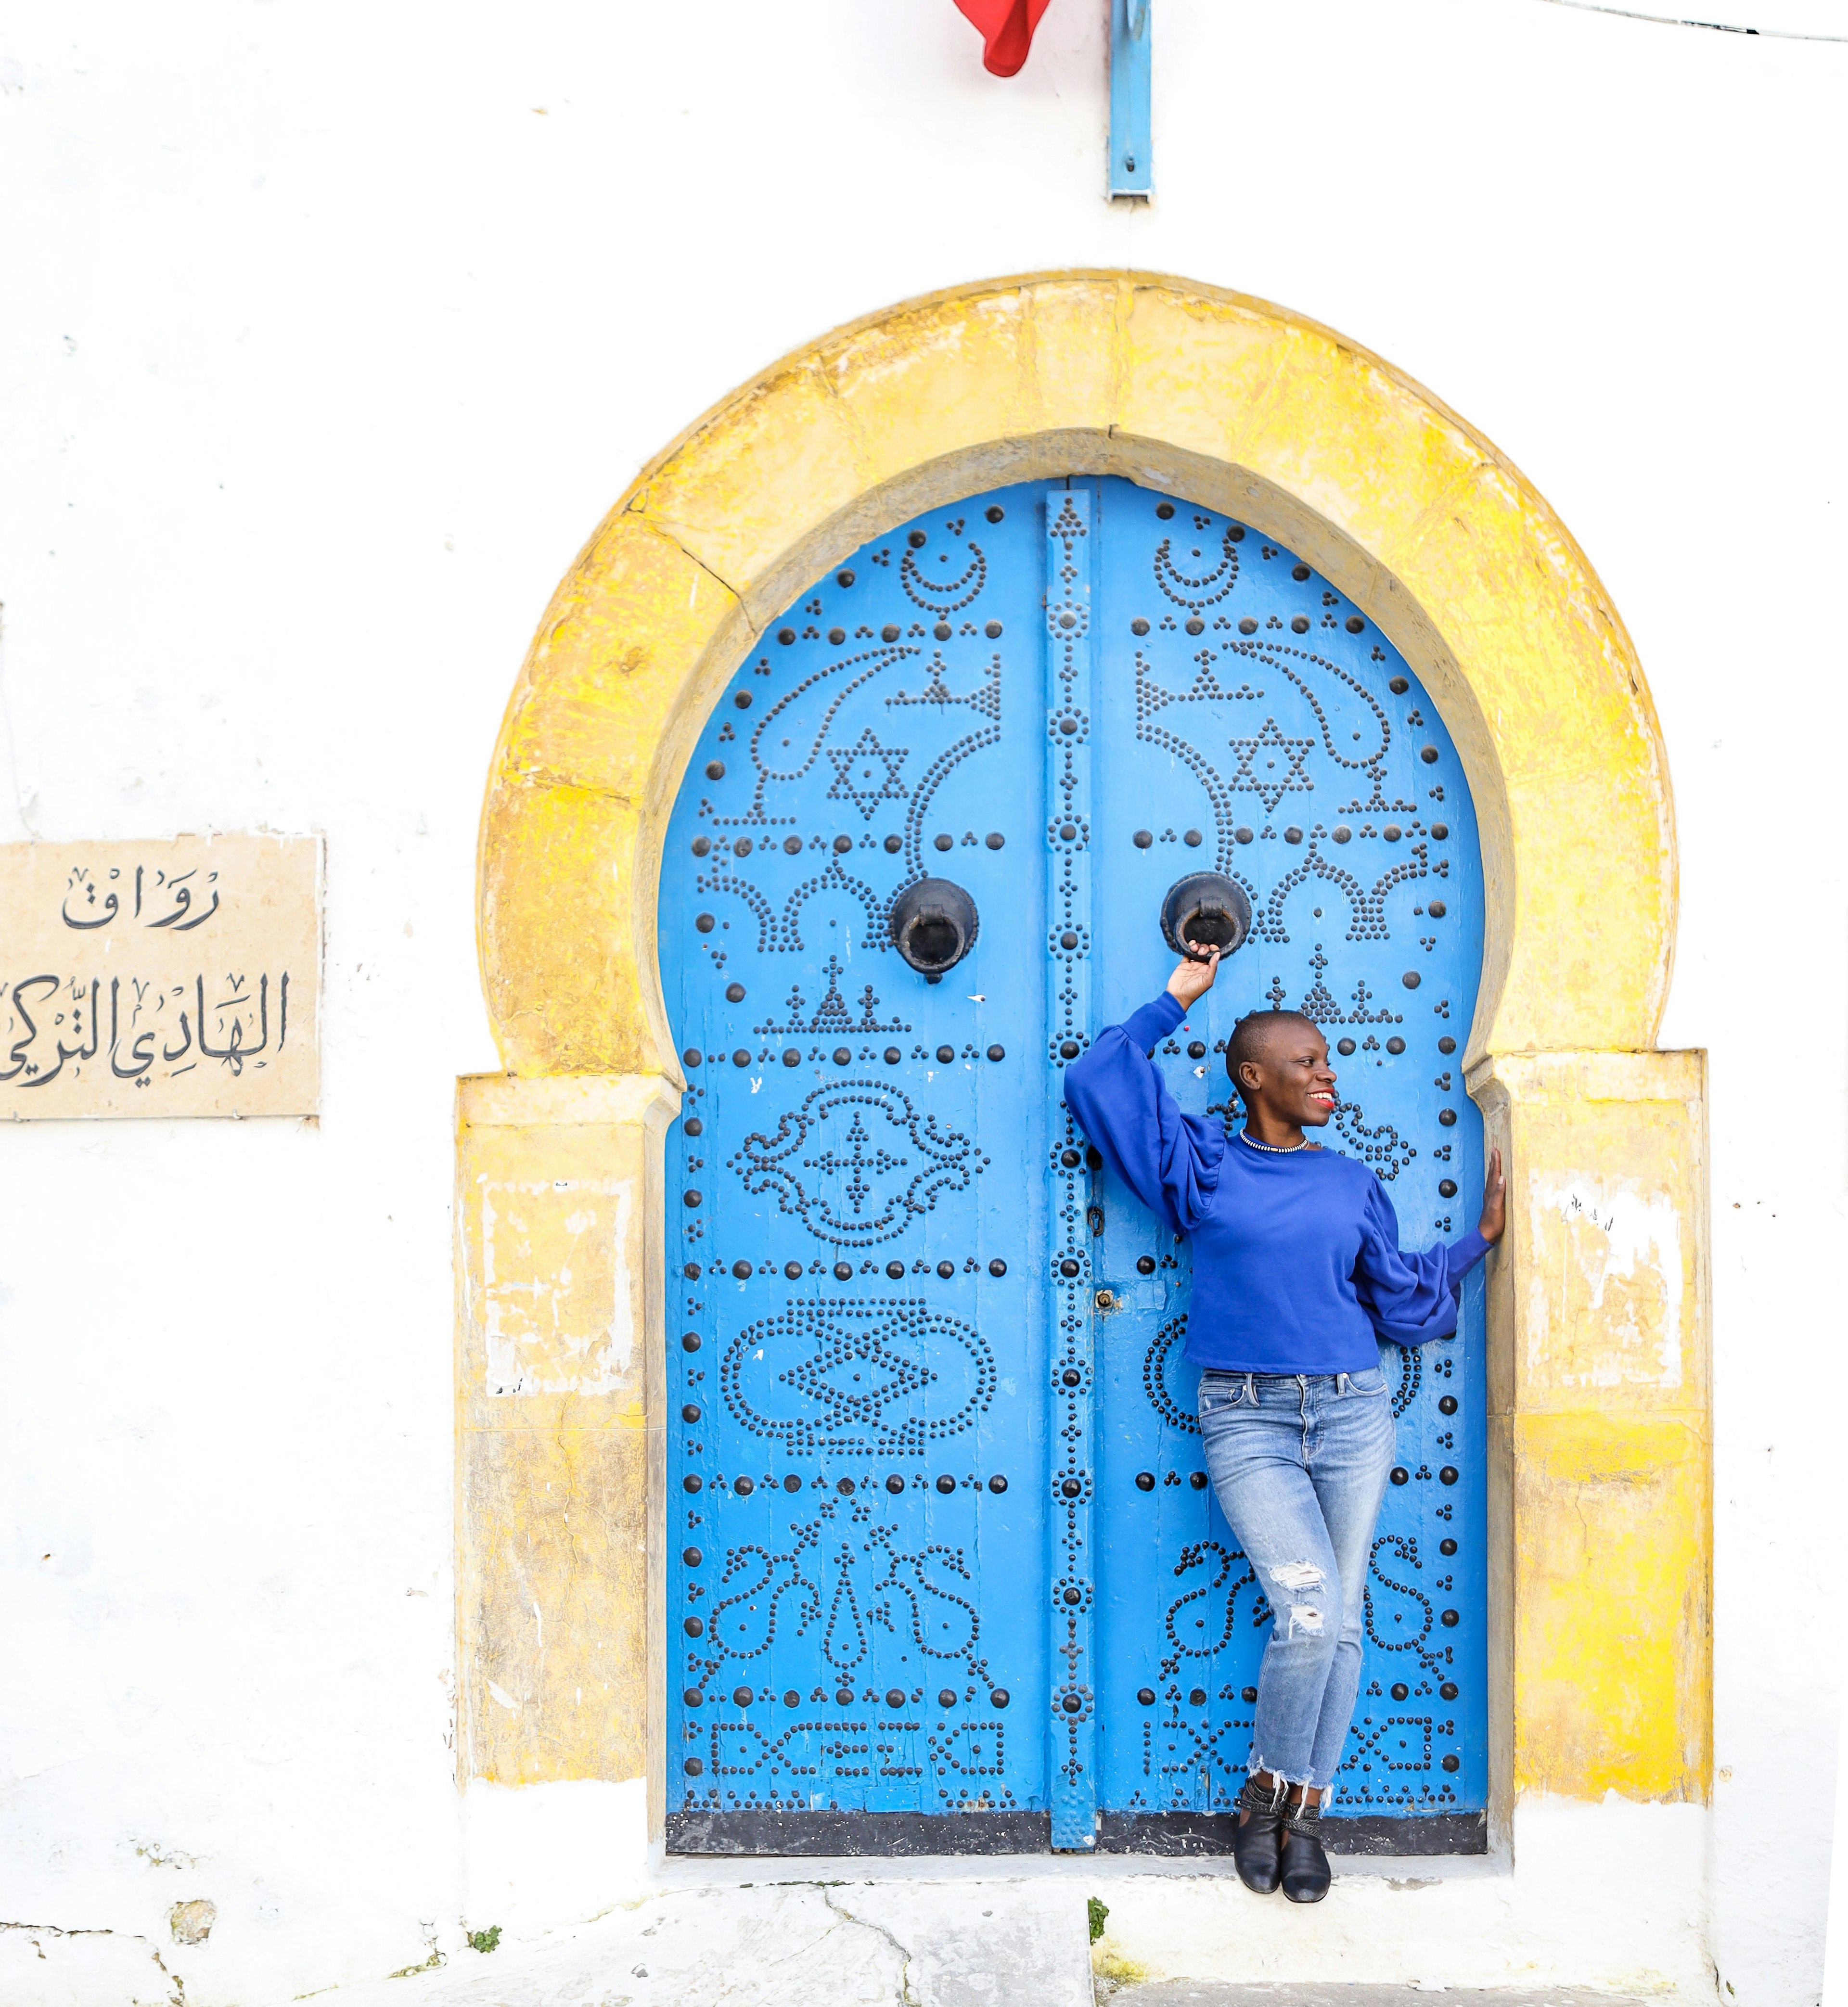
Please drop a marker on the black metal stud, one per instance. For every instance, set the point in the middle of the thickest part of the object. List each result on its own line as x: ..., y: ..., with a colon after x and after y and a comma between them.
x: 1146, y: 1696
x: 1447, y: 1043
x: 1400, y: 1475
x: 1145, y: 1264
x: 1395, y: 1045
x: 997, y: 1267
x: 691, y: 1342
x: 1447, y: 1406
x: 1344, y: 1046
x: 997, y: 1484
x: 715, y: 769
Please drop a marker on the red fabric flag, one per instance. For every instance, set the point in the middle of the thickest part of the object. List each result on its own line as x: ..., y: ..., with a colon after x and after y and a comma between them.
x: 1006, y: 30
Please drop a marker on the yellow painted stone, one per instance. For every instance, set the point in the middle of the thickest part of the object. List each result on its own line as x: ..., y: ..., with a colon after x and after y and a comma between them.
x: 557, y: 1212
x: 1598, y: 1501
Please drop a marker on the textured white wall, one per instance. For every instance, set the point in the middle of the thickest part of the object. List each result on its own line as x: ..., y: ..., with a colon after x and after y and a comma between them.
x: 327, y: 333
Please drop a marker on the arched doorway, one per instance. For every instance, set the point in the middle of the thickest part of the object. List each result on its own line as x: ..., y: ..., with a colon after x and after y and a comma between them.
x: 1597, y: 1505
x: 945, y: 1573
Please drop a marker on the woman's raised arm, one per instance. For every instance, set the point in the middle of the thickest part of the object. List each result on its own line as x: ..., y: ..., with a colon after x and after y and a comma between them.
x: 1170, y: 1161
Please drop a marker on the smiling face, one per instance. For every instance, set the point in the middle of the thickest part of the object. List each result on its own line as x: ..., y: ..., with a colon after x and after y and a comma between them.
x: 1281, y: 1065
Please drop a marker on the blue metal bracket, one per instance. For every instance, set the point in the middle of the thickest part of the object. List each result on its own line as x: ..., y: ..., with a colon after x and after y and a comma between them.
x: 1132, y: 131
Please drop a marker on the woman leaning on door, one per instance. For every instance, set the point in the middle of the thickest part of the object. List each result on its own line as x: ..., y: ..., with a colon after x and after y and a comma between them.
x: 1299, y: 1279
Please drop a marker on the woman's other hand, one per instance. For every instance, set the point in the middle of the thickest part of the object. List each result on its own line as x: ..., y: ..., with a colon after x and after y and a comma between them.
x: 1494, y: 1201
x: 1194, y: 979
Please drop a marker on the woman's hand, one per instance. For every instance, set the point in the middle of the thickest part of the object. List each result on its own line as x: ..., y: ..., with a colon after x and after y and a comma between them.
x: 1494, y: 1202
x: 1194, y: 979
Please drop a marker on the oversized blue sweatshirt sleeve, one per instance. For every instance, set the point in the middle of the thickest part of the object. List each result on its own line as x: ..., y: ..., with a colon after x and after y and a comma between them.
x: 1170, y: 1161
x: 1411, y: 1298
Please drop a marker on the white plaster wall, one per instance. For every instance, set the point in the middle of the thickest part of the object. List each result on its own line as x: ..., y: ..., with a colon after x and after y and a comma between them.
x: 326, y: 333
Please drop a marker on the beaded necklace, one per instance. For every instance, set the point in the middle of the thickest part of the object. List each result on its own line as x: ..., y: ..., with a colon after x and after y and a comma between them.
x: 1276, y: 1149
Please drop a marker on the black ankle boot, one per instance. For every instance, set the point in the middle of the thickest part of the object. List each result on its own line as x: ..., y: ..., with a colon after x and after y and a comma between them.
x: 1257, y: 1836
x: 1303, y: 1868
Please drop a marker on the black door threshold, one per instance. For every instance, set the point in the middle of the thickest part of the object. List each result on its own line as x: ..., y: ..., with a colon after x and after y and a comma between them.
x: 1168, y: 1836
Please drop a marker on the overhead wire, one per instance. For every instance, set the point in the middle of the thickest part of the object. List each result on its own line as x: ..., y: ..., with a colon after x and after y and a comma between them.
x: 1684, y: 21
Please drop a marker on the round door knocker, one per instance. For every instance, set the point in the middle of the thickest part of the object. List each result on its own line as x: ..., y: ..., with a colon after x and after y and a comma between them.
x: 1205, y: 910
x: 933, y: 926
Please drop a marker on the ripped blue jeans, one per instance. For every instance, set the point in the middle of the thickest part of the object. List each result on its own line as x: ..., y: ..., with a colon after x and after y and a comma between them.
x: 1299, y: 1464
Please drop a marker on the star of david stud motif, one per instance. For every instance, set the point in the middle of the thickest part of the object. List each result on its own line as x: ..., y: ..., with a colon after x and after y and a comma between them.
x: 867, y: 773
x: 1263, y: 780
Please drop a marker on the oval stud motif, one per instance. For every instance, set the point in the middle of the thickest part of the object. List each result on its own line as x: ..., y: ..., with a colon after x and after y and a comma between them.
x: 1145, y: 1264
x: 843, y: 1696
x: 1453, y: 1764
x: 1400, y: 1690
x: 1447, y: 1187
x: 997, y: 1267
x: 895, y: 1271
x: 1243, y: 834
x: 1073, y: 1704
x: 1196, y: 1697
x: 945, y: 1485
x: 705, y: 922
x: 945, y: 1698
x: 1411, y: 978
x: 997, y: 1484
x: 690, y: 1343
x: 1198, y: 1480
x: 694, y: 1627
x: 1071, y: 1488
x: 1073, y: 1597
x: 702, y: 846
x: 691, y: 1412
x: 744, y: 1487
x: 1395, y: 1045
x: 1447, y: 1547
x: 1247, y: 625
x: 1450, y: 1619
x: 997, y: 1053
x: 1069, y: 1049
x: 1446, y: 1118
x: 1447, y: 1406
x: 692, y: 1555
x: 1449, y: 1690
x: 742, y: 1696
x: 894, y: 1484
x: 1249, y: 1695
x: 1400, y: 1475
x: 694, y: 1766
x: 1398, y: 686
x: 1299, y: 572
x: 1344, y: 1046
x: 1299, y: 624
x: 792, y: 1483
x: 1146, y: 1481
x: 1145, y: 1696
x: 734, y: 992
x: 1068, y: 1267
x: 1428, y: 754
x: 692, y: 1198
x: 1447, y: 1475
x: 715, y: 769
x: 693, y: 1698
x: 894, y: 1697
x: 741, y: 1270
x: 1440, y: 831
x: 999, y: 1698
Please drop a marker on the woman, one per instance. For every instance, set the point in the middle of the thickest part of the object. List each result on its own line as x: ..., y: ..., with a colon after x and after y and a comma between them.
x: 1298, y: 1278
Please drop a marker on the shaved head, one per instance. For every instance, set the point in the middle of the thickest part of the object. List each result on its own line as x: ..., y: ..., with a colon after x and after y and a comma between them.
x: 1255, y: 1034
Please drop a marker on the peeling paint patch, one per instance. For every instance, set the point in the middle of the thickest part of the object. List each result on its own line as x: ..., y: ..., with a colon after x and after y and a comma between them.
x: 1604, y: 1289
x: 556, y: 1299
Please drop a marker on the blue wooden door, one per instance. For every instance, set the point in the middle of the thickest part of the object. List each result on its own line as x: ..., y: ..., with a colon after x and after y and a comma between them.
x: 943, y: 1574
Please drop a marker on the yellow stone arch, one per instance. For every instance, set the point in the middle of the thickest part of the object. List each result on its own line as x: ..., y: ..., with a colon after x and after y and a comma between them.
x: 1599, y: 1428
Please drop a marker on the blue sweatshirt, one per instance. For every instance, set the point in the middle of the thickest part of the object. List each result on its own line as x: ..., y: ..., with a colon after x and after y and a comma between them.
x: 1297, y: 1267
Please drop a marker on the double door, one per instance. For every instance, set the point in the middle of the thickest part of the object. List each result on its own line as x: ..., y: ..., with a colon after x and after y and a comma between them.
x: 945, y: 1573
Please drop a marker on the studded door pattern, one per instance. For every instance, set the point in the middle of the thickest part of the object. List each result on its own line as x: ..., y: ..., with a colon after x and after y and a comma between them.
x: 937, y: 1545
x: 1260, y: 725
x: 857, y: 1462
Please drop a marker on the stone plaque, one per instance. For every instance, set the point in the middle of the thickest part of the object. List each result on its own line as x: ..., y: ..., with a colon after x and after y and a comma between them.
x: 179, y: 977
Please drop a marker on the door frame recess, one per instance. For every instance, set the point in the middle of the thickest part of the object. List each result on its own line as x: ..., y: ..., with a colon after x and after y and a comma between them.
x: 1599, y: 1422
